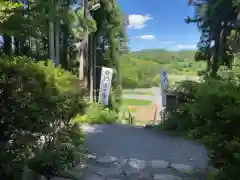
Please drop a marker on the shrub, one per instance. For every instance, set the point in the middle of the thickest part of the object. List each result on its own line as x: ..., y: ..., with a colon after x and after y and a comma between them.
x: 217, y: 113
x: 212, y: 115
x: 97, y: 114
x: 115, y: 98
x: 37, y: 103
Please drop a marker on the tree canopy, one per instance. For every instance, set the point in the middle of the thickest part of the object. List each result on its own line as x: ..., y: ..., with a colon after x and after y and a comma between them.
x: 40, y: 99
x: 110, y: 41
x: 141, y: 69
x: 218, y: 20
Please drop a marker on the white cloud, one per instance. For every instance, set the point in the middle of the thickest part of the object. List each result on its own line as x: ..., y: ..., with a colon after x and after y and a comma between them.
x: 146, y: 37
x: 137, y: 21
x: 186, y: 46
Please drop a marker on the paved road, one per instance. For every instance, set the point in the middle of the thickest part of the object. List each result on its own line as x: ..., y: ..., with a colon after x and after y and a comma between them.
x: 109, y: 143
x: 155, y: 97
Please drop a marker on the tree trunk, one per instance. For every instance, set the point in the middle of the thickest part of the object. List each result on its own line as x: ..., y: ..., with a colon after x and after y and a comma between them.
x: 51, y: 42
x: 37, y: 49
x: 209, y: 54
x: 64, y: 51
x: 215, y: 63
x: 7, y: 46
x: 16, y: 46
x: 57, y: 43
x: 24, y: 48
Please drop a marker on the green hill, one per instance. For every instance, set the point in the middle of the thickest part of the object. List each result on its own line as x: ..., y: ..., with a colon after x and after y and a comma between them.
x: 161, y: 55
x: 142, y: 68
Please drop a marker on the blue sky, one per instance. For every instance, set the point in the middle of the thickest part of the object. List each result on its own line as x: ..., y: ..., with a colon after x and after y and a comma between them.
x: 159, y: 24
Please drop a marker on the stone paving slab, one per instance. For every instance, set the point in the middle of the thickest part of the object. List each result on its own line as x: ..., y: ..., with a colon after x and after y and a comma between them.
x: 135, y: 169
x: 165, y: 177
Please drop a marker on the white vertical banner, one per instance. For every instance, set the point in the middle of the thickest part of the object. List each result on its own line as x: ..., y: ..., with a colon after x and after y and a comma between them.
x: 164, y: 87
x: 105, y: 85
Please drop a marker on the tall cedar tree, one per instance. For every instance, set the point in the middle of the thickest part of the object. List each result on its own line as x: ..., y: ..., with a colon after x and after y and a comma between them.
x: 110, y: 41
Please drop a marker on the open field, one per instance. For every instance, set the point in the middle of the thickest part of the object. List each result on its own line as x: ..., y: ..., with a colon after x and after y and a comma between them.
x: 179, y: 78
x: 143, y: 114
x: 136, y: 102
x: 141, y: 103
x: 137, y: 92
x: 139, y: 100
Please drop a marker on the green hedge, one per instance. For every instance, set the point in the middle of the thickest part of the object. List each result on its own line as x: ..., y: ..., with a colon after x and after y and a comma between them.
x: 97, y: 114
x: 37, y: 103
x: 212, y: 115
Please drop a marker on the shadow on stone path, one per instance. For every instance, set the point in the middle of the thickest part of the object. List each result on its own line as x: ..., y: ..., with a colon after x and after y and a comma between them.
x: 121, y: 152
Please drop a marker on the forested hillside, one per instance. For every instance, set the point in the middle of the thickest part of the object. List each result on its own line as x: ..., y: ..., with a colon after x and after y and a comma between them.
x: 155, y: 54
x: 142, y: 68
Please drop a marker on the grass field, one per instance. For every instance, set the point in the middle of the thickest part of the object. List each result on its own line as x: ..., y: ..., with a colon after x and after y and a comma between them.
x: 178, y: 78
x: 136, y: 102
x: 132, y: 110
x: 138, y: 92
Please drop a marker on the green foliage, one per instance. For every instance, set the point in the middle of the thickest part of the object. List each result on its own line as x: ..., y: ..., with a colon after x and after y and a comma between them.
x: 80, y: 24
x: 138, y: 92
x: 142, y: 69
x: 97, y: 114
x: 37, y: 104
x: 162, y: 56
x: 116, y: 98
x: 60, y: 157
x: 110, y: 40
x: 136, y: 102
x: 6, y: 9
x: 218, y: 21
x: 30, y: 28
x: 125, y: 115
x: 38, y: 100
x: 137, y: 73
x: 132, y: 110
x: 212, y: 115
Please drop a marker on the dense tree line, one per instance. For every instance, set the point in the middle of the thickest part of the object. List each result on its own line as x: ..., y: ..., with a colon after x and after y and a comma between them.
x: 142, y: 69
x: 218, y: 21
x: 111, y: 41
x: 39, y: 100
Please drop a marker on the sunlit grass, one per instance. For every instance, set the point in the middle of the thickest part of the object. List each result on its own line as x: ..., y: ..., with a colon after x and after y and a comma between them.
x: 132, y: 110
x: 138, y: 92
x: 139, y: 124
x: 136, y: 102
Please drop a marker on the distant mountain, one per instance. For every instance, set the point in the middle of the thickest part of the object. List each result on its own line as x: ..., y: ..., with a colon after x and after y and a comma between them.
x: 162, y: 55
x: 140, y: 69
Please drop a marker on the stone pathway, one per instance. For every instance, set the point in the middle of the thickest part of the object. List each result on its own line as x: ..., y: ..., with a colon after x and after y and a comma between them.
x: 121, y: 152
x: 112, y: 168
